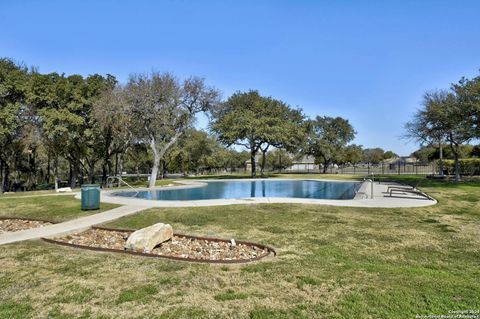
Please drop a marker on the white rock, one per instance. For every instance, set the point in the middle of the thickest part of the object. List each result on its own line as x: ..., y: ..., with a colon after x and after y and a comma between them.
x: 232, y: 242
x: 147, y: 238
x: 64, y: 190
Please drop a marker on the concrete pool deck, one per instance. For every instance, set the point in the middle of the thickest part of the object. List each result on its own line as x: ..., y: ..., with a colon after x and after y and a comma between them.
x: 134, y: 205
x: 362, y: 199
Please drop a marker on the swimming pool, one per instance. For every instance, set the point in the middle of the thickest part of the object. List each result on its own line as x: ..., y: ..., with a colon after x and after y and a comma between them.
x: 314, y: 189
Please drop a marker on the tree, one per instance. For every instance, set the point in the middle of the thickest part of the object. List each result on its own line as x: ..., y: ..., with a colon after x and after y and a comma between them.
x: 327, y: 137
x: 285, y: 129
x: 446, y: 116
x: 163, y: 108
x: 425, y: 154
x: 93, y: 129
x: 48, y: 95
x: 427, y: 127
x: 353, y: 154
x: 13, y: 80
x: 198, y: 147
x: 389, y: 154
x: 476, y: 151
x: 373, y: 155
x: 467, y: 92
x: 279, y: 159
x: 257, y: 123
x: 64, y: 106
x: 114, y: 119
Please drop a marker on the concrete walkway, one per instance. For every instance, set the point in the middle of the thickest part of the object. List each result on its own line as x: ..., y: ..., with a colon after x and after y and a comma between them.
x: 71, y: 226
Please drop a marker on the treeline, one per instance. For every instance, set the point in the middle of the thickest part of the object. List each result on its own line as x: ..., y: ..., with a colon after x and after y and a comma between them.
x: 450, y: 117
x: 56, y: 127
x: 431, y: 153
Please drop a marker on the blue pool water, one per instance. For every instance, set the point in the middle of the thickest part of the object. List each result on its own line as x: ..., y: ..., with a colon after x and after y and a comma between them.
x: 260, y: 188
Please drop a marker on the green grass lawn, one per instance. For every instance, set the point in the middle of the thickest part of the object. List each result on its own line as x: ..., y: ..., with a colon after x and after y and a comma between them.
x: 53, y: 208
x: 333, y: 262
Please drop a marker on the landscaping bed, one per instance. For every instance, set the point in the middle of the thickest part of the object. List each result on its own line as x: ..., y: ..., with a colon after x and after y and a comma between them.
x: 12, y: 224
x: 180, y: 247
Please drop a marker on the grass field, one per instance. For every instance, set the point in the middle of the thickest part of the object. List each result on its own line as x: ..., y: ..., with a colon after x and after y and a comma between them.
x: 53, y: 208
x: 333, y: 262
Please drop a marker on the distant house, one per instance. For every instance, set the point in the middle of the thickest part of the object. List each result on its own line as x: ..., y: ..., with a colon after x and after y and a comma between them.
x: 305, y: 163
x: 400, y: 160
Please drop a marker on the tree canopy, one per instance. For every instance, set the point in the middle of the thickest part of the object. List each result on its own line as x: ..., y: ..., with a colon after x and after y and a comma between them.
x: 258, y: 123
x: 328, y: 138
x: 163, y: 108
x: 450, y: 116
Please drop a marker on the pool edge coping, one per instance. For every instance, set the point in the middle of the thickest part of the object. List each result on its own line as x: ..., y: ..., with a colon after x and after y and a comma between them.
x: 359, y: 200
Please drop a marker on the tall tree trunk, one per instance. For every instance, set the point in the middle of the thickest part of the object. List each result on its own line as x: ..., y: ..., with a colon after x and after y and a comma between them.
x: 34, y: 168
x: 252, y: 162
x: 262, y: 165
x: 441, y: 158
x: 120, y: 163
x: 1, y: 176
x: 454, y: 147
x: 5, y: 178
x: 156, y: 163
x: 162, y: 169
x: 457, y: 168
x: 110, y: 167
x: 107, y: 158
x: 104, y: 173
x: 158, y: 155
x: 116, y: 164
x: 91, y: 173
x: 55, y: 172
x: 325, y: 166
x: 74, y: 174
x: 154, y: 174
x: 47, y: 177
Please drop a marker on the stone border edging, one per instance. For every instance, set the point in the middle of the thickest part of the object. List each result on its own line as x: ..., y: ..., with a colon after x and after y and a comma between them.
x: 207, y: 261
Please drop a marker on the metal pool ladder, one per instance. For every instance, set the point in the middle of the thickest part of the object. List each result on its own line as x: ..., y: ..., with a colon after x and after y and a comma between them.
x: 120, y: 180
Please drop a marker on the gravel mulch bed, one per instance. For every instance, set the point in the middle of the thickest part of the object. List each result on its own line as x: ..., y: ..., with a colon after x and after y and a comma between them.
x: 179, y: 246
x: 12, y: 225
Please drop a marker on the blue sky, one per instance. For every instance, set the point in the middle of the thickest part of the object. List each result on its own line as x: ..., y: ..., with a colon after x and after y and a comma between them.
x: 367, y: 61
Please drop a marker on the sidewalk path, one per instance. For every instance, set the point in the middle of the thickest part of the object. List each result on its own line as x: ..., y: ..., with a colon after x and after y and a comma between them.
x: 76, y: 225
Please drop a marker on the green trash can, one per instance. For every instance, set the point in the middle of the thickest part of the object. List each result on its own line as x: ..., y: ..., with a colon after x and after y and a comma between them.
x: 90, y: 196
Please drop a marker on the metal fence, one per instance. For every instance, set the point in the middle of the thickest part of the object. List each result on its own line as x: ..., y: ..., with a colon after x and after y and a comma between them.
x: 365, y: 169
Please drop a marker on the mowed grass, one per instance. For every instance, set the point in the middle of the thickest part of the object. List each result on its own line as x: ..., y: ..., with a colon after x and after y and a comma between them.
x: 53, y: 208
x: 333, y: 262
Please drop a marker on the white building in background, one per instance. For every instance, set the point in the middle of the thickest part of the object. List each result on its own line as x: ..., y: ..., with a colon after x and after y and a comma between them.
x: 303, y: 164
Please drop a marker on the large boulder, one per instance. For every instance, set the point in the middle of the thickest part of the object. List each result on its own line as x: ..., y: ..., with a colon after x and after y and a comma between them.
x: 145, y: 239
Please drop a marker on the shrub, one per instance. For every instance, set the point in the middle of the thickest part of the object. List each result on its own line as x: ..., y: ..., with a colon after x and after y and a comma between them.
x: 467, y: 166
